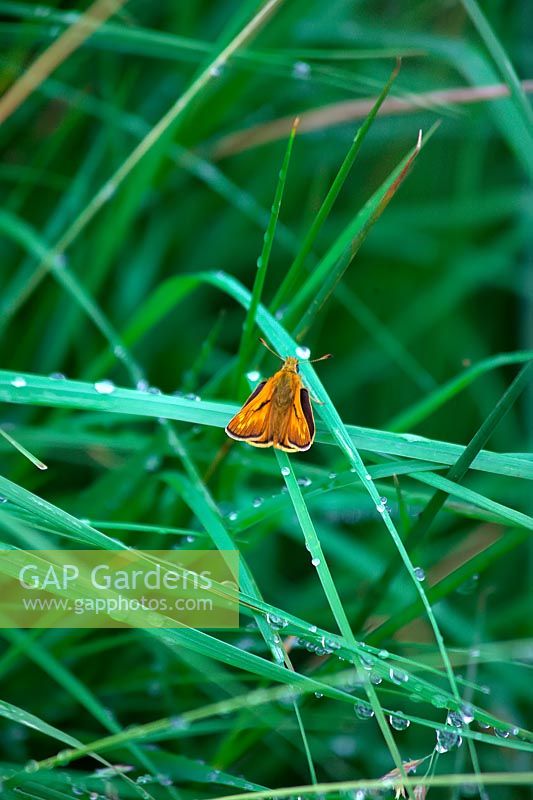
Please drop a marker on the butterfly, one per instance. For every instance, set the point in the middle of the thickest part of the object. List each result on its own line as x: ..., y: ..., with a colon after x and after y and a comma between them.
x: 278, y: 413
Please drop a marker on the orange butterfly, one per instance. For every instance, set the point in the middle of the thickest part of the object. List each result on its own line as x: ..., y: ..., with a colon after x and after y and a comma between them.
x: 278, y: 413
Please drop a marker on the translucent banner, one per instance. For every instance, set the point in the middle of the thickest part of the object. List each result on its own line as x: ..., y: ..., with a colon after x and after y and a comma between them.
x: 119, y: 588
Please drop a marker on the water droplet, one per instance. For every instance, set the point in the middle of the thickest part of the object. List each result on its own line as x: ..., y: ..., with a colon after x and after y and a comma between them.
x: 383, y: 654
x: 439, y: 701
x: 142, y: 386
x: 154, y: 390
x: 280, y: 313
x: 19, y: 381
x: 467, y: 713
x: 257, y: 502
x: 368, y: 476
x: 104, y: 387
x: 216, y: 70
x: 398, y: 721
x: 253, y: 376
x: 380, y: 508
x: 302, y: 352
x: 107, y: 191
x: 313, y: 629
x: 259, y: 261
x: 469, y: 586
x: 420, y: 575
x: 332, y: 476
x: 301, y: 69
x: 318, y: 695
x: 367, y: 661
x: 454, y: 718
x: 31, y: 766
x: 376, y: 679
x: 447, y: 740
x: 152, y: 463
x: 278, y: 623
x: 285, y: 471
x: 315, y: 562
x: 398, y: 676
x: 178, y: 723
x: 3, y: 499
x: 502, y: 733
x: 304, y: 481
x: 190, y: 539
x: 57, y: 376
x: 363, y: 711
x: 232, y: 516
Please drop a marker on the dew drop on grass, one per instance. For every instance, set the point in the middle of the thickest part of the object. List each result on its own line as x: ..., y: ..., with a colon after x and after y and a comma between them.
x: 216, y: 70
x: 368, y: 476
x: 190, y: 539
x: 154, y: 390
x: 313, y: 629
x: 18, y: 382
x: 108, y: 190
x: 363, y: 711
x: 380, y: 508
x: 253, y: 376
x: 454, y: 718
x: 303, y: 352
x: 178, y: 723
x: 367, y: 661
x: 315, y: 562
x: 301, y: 69
x: 304, y: 481
x: 398, y: 721
x: 257, y: 502
x: 285, y: 471
x: 420, y: 575
x: 447, y: 740
x: 142, y: 386
x: 280, y: 313
x: 383, y: 653
x: 152, y: 463
x: 104, y: 387
x: 31, y: 766
x: 376, y: 679
x: 232, y: 516
x: 439, y: 701
x: 318, y: 695
x: 467, y: 713
x: 276, y: 622
x: 398, y: 676
x: 3, y: 499
x: 57, y: 376
x: 332, y: 476
x: 502, y: 733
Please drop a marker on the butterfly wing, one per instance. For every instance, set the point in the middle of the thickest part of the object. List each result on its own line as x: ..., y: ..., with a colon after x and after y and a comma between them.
x: 299, y: 431
x: 252, y: 423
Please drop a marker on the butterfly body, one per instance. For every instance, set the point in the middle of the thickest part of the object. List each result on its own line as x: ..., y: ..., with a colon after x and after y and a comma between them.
x: 277, y: 414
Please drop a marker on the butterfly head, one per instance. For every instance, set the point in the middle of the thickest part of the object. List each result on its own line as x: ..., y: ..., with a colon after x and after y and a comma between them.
x: 291, y: 364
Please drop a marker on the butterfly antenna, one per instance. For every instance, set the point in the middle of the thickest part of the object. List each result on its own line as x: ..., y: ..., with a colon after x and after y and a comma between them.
x: 271, y: 350
x: 322, y: 358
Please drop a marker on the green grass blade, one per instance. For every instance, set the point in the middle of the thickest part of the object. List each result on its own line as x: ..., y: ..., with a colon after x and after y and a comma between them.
x: 501, y: 59
x: 295, y: 274
x: 247, y: 342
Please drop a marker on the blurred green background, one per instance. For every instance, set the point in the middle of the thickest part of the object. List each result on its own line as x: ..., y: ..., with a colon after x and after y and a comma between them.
x: 443, y: 282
